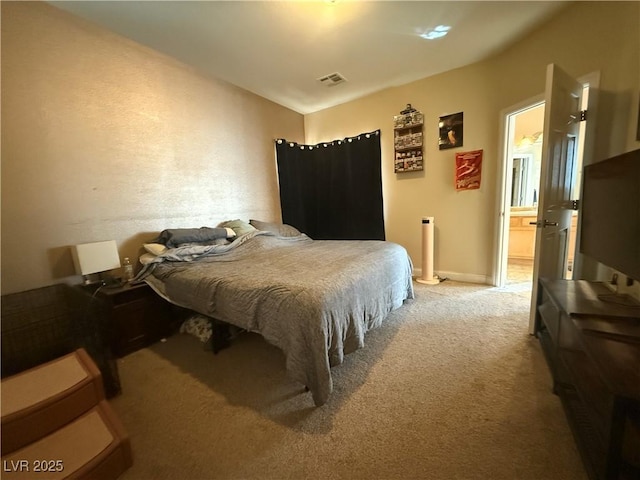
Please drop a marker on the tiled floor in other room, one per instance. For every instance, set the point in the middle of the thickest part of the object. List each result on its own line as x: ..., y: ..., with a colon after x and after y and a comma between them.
x: 519, y: 271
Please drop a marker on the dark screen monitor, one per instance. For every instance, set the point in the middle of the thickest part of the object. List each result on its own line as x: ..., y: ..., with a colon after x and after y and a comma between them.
x: 610, y: 225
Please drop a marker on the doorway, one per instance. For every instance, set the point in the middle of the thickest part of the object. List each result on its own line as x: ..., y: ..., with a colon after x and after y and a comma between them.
x: 523, y: 167
x: 522, y: 133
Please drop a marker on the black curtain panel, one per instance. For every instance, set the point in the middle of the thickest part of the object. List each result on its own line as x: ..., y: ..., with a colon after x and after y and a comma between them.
x: 333, y: 190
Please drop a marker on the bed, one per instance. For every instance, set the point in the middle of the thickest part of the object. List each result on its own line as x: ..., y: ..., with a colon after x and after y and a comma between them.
x: 313, y: 299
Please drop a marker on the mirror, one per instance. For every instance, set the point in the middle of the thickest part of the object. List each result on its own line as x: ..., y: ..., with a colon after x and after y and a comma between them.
x: 525, y: 178
x: 523, y: 190
x: 526, y: 158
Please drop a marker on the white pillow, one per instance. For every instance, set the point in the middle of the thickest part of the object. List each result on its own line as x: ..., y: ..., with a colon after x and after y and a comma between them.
x: 146, y: 258
x: 155, y: 248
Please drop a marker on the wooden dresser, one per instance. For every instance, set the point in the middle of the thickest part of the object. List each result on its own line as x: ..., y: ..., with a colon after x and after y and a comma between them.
x: 592, y: 347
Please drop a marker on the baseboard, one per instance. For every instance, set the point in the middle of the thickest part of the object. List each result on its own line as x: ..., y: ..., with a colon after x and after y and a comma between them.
x: 457, y: 276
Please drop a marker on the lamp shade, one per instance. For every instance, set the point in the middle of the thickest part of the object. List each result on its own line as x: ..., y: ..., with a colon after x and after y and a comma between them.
x: 95, y: 257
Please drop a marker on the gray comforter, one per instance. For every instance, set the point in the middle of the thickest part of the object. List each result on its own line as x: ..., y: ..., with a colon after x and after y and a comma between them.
x: 313, y: 299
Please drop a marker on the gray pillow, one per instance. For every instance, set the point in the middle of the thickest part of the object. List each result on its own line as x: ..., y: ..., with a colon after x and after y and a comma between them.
x: 280, y: 229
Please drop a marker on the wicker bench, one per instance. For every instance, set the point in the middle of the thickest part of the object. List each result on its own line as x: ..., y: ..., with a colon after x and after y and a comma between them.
x: 43, y: 324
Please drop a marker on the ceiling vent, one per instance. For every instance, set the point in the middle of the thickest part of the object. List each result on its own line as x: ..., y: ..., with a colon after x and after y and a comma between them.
x: 332, y: 79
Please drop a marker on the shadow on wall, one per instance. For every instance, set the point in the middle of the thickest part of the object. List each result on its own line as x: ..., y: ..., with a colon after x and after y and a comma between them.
x: 611, y: 136
x: 132, y: 247
x: 61, y: 262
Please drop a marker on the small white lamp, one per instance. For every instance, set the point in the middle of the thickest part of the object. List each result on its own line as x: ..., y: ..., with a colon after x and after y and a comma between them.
x: 96, y: 257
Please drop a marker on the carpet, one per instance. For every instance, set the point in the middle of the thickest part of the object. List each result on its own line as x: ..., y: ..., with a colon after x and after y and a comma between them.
x: 451, y: 386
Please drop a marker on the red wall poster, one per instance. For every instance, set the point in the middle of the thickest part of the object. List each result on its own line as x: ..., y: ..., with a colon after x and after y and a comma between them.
x: 468, y: 170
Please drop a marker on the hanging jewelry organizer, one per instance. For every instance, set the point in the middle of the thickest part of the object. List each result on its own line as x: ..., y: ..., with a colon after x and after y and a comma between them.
x: 407, y: 140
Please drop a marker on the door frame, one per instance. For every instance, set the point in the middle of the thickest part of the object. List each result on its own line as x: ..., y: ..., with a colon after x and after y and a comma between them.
x: 504, y: 187
x: 592, y: 80
x: 586, y: 149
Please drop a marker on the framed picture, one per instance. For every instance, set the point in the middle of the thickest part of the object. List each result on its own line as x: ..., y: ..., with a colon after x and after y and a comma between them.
x: 451, y: 134
x: 468, y: 170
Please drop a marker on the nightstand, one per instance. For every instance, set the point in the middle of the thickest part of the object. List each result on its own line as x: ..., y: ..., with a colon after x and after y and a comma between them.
x: 138, y: 316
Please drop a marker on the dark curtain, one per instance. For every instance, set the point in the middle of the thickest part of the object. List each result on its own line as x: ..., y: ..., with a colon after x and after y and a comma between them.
x: 333, y: 190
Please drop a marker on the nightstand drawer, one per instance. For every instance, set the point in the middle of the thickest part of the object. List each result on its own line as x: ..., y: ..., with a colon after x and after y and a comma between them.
x: 139, y: 317
x: 130, y: 331
x: 129, y: 295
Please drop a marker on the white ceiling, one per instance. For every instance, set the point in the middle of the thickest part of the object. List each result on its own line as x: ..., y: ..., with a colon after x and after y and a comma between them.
x: 278, y: 49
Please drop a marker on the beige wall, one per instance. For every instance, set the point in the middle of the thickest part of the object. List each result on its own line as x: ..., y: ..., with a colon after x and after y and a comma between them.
x: 585, y: 37
x: 104, y: 139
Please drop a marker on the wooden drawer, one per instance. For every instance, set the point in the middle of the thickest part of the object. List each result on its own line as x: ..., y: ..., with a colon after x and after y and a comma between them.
x: 139, y: 317
x: 550, y: 316
x: 522, y: 237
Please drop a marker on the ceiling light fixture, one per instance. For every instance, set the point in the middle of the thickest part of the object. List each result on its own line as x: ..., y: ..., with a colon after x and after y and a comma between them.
x: 438, y: 32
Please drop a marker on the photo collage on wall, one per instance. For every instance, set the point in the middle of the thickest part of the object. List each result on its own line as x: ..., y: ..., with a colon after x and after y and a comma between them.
x: 408, y: 146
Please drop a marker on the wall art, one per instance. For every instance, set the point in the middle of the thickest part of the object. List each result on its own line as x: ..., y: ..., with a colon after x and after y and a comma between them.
x: 451, y: 131
x: 407, y: 140
x: 468, y: 170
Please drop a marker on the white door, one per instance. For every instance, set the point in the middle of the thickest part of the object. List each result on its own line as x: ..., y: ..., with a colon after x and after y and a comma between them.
x: 563, y: 99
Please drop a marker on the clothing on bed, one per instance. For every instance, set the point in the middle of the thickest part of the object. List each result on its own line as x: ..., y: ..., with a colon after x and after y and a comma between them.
x: 175, y: 237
